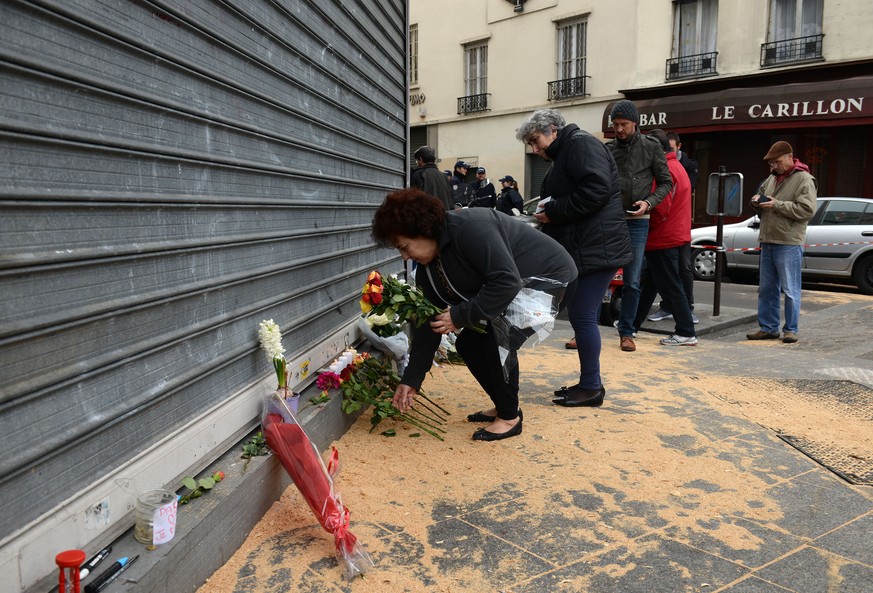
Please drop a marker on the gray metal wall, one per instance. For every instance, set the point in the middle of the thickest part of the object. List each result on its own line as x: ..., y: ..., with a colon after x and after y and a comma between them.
x: 171, y: 173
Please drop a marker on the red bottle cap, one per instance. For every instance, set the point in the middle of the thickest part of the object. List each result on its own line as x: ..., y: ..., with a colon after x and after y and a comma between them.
x: 70, y: 559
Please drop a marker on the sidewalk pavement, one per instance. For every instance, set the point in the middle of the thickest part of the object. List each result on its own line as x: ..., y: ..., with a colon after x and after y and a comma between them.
x: 806, y: 531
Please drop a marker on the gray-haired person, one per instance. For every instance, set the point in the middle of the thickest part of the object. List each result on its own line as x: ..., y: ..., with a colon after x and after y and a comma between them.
x: 584, y: 214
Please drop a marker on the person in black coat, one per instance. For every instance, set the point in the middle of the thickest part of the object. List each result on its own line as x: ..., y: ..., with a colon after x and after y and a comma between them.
x: 509, y: 197
x: 473, y: 262
x: 429, y: 179
x: 583, y: 212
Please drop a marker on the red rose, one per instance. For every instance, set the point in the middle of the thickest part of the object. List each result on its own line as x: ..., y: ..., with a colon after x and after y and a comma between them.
x: 368, y: 299
x: 375, y: 298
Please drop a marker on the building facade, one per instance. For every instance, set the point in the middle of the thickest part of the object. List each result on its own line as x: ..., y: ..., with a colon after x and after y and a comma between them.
x: 730, y: 78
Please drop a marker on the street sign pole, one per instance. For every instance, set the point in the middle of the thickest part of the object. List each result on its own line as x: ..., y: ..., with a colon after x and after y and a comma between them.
x: 719, y: 241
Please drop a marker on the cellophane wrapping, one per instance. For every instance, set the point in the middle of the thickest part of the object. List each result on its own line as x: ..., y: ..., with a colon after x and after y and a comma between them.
x: 301, y: 459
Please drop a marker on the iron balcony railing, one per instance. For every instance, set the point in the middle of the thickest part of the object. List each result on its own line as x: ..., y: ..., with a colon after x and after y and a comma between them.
x: 693, y: 66
x: 473, y: 103
x: 792, y: 51
x: 569, y: 87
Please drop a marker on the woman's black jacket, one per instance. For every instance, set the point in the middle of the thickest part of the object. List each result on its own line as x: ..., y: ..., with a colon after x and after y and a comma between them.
x: 585, y: 212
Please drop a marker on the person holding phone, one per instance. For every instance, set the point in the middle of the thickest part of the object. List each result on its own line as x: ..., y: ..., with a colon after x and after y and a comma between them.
x: 582, y: 210
x: 785, y: 202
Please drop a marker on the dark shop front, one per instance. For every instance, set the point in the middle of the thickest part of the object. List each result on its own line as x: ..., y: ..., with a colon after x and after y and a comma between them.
x: 829, y: 124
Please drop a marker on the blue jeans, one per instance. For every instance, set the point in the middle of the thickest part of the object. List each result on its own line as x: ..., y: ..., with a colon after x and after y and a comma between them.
x: 630, y: 293
x: 780, y: 273
x: 583, y: 310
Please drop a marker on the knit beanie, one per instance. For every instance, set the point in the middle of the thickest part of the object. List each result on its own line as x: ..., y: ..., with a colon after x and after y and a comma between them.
x: 625, y: 109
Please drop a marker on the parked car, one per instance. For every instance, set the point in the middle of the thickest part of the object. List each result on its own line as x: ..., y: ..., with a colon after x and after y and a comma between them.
x: 527, y: 213
x: 839, y: 244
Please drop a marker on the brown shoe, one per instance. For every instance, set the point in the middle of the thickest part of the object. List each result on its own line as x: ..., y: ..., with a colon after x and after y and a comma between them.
x: 789, y: 337
x: 571, y: 344
x: 627, y: 344
x: 762, y: 335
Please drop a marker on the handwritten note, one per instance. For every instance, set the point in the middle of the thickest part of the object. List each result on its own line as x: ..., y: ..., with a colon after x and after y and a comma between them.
x: 165, y: 522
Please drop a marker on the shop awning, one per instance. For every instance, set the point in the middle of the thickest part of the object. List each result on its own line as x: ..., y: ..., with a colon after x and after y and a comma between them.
x: 835, y: 102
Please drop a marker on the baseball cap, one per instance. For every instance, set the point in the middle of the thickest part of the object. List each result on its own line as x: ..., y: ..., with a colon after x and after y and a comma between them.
x: 507, y: 178
x: 480, y: 170
x: 460, y: 164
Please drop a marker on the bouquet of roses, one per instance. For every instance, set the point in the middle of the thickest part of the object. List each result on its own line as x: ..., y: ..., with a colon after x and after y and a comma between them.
x: 387, y: 303
x: 396, y: 300
x: 303, y: 462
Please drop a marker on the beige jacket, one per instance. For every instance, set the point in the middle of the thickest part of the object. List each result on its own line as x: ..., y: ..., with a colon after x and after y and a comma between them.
x: 794, y: 204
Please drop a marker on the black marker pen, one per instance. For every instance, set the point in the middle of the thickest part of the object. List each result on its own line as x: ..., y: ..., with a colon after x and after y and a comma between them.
x: 110, y: 574
x: 94, y: 561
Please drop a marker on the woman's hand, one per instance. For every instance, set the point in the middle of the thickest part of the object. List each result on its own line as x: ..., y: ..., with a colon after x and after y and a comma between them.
x: 442, y: 323
x: 403, y: 397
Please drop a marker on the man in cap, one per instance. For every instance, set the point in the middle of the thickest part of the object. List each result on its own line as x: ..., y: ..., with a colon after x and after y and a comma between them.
x: 786, y: 202
x: 645, y: 182
x: 429, y: 179
x: 486, y: 195
x: 509, y: 197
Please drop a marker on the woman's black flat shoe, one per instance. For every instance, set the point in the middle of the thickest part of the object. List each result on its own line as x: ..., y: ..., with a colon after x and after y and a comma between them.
x: 577, y: 397
x: 562, y: 392
x: 484, y: 435
x: 480, y: 417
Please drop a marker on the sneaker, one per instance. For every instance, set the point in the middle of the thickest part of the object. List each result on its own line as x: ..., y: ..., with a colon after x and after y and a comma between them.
x: 694, y: 318
x: 627, y: 344
x: 762, y: 335
x: 789, y: 337
x: 676, y: 340
x: 660, y: 315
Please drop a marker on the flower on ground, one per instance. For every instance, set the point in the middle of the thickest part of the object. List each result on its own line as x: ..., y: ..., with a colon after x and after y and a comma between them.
x: 372, y: 381
x: 199, y: 487
x: 327, y: 380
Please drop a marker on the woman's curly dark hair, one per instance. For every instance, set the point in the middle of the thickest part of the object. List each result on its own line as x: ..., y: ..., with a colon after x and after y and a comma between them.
x: 408, y: 213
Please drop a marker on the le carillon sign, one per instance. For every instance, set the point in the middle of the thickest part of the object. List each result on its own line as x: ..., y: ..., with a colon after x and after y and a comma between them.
x: 745, y: 108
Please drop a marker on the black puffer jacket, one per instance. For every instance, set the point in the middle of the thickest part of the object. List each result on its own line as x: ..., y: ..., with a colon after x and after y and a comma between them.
x: 585, y: 212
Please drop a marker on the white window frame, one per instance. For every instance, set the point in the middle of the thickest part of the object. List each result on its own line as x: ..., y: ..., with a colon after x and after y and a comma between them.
x: 695, y: 27
x: 413, y: 55
x: 571, y: 52
x: 476, y: 68
x: 805, y: 21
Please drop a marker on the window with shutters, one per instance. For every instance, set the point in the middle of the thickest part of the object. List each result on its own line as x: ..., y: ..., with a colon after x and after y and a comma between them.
x: 795, y: 33
x: 695, y: 26
x: 572, y: 60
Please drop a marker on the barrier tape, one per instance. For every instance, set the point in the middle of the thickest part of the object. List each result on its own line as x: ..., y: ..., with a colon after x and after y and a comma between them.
x: 759, y: 248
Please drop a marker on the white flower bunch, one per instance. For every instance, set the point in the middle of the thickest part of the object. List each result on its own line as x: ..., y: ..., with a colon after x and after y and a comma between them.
x: 271, y: 344
x: 271, y: 339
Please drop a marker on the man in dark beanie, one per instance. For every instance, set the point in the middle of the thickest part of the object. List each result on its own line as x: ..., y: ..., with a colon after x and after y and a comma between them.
x: 429, y: 179
x: 645, y: 182
x: 785, y: 202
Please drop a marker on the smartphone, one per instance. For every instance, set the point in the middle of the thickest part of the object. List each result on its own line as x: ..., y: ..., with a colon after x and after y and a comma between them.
x: 762, y: 199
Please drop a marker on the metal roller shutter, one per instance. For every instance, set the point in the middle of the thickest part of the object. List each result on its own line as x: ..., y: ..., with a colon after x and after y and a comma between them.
x: 173, y: 172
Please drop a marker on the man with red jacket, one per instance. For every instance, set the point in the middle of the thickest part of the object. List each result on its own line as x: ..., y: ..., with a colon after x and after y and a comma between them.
x: 669, y: 230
